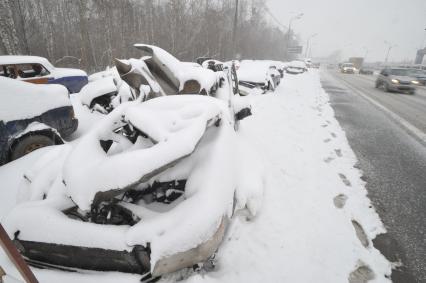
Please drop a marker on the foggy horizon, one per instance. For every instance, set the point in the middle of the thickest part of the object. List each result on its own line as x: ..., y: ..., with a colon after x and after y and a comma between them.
x: 357, y: 28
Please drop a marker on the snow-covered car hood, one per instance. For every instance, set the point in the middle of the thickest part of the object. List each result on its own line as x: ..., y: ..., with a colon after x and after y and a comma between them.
x: 255, y: 71
x: 297, y: 64
x: 31, y: 99
x: 67, y: 72
x: 174, y: 125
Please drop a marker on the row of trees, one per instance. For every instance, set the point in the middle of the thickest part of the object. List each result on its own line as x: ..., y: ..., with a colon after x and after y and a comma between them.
x: 90, y: 33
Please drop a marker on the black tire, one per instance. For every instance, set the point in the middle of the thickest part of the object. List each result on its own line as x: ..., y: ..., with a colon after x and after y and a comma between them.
x: 386, y: 87
x: 412, y: 92
x: 29, y: 144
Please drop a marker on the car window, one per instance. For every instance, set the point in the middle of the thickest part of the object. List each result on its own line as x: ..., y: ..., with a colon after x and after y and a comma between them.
x: 31, y: 70
x: 3, y: 71
x: 399, y: 72
x: 8, y: 71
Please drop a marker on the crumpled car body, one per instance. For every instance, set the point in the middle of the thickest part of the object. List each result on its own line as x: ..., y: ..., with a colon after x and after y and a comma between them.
x: 160, y: 73
x: 150, y: 189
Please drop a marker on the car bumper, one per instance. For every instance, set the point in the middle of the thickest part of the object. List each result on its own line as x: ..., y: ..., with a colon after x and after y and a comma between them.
x: 395, y: 87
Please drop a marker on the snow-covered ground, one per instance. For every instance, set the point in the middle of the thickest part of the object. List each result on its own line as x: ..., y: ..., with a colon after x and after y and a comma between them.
x: 316, y: 222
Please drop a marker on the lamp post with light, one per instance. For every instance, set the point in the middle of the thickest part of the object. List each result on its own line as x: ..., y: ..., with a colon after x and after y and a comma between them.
x: 390, y: 46
x: 297, y: 17
x: 307, y: 44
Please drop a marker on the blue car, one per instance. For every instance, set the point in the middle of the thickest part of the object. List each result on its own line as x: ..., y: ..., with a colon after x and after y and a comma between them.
x: 39, y: 70
x: 32, y: 116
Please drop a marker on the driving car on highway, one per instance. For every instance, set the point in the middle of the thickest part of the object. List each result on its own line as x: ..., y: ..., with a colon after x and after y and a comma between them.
x: 347, y: 68
x: 397, y: 79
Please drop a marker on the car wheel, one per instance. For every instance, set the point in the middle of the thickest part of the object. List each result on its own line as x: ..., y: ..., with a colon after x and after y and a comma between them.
x: 29, y: 144
x: 412, y: 92
x: 386, y: 87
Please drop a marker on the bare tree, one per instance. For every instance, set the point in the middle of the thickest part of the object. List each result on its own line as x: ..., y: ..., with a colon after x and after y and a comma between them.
x: 90, y: 33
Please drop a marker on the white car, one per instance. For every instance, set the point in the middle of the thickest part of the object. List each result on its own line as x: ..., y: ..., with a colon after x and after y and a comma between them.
x: 347, y: 68
x: 258, y: 73
x: 39, y: 70
x: 296, y: 67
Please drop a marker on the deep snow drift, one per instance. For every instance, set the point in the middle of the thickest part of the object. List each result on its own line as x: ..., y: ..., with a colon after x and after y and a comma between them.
x: 316, y: 223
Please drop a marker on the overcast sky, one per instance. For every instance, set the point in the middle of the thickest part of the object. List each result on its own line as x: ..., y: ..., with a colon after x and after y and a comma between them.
x: 356, y: 25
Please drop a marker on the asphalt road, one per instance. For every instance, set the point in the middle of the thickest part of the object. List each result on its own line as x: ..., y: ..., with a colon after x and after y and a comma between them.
x: 387, y: 132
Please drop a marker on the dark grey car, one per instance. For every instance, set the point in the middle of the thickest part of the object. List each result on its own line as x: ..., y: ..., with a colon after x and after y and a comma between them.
x: 397, y: 79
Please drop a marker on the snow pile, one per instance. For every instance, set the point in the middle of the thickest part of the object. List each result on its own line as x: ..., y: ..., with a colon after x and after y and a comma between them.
x: 175, y: 133
x: 190, y: 137
x: 22, y: 100
x: 301, y: 234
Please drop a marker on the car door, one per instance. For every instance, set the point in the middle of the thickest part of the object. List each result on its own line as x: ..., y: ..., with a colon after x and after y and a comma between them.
x: 33, y: 73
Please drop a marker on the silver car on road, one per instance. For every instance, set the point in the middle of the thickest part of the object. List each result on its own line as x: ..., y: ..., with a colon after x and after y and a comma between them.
x: 397, y: 79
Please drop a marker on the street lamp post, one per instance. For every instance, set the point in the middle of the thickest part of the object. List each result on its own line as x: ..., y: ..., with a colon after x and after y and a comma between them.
x: 423, y: 40
x: 297, y: 17
x: 307, y: 44
x: 366, y: 53
x: 389, y: 49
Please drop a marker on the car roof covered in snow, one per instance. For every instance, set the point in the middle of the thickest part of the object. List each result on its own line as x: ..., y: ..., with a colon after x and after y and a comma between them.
x: 22, y: 100
x: 24, y: 59
x: 297, y: 64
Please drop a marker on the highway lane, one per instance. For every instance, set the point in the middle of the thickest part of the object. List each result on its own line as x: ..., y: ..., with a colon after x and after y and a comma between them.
x: 385, y: 131
x: 411, y: 108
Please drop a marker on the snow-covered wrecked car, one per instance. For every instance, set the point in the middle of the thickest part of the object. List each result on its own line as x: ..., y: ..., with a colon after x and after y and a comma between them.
x: 161, y: 74
x: 258, y: 73
x: 149, y: 190
x: 296, y: 67
x: 32, y: 116
x: 229, y: 68
x: 39, y: 70
x: 160, y: 70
